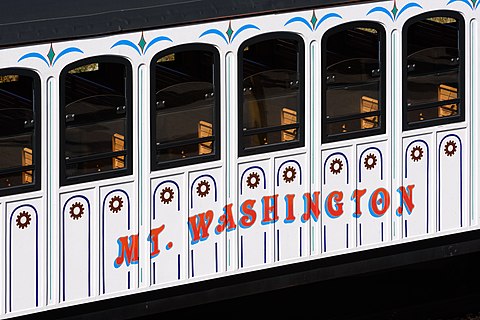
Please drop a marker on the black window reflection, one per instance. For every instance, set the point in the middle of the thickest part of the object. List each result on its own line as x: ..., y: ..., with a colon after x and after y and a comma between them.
x: 96, y: 114
x: 19, y: 124
x: 185, y: 106
x: 353, y: 81
x: 271, y: 94
x: 433, y: 72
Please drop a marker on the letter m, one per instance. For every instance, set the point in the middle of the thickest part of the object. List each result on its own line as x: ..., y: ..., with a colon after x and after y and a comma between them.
x: 127, y: 250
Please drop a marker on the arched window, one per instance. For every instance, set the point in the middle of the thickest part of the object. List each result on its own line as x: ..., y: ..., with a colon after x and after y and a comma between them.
x: 96, y: 113
x: 433, y: 66
x: 353, y: 71
x: 271, y: 93
x: 185, y: 111
x: 19, y: 131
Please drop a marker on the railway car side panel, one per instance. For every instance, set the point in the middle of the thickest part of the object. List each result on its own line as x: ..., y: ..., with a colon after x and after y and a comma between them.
x: 168, y: 233
x: 372, y: 196
x: 297, y: 208
x: 118, y: 238
x: 338, y: 224
x: 76, y: 253
x: 417, y: 200
x: 451, y: 176
x: 24, y: 261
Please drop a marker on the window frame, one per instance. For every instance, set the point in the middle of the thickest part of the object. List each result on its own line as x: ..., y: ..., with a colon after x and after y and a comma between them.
x: 127, y: 170
x: 461, y: 72
x: 286, y: 145
x: 382, y: 99
x: 215, y: 155
x: 36, y: 134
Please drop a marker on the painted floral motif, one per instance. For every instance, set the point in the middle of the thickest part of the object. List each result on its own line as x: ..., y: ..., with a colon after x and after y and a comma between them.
x: 450, y: 148
x: 203, y: 188
x: 230, y: 34
x: 142, y: 46
x: 314, y: 22
x: 51, y: 57
x: 336, y: 166
x: 370, y: 161
x: 115, y: 204
x: 289, y: 174
x: 23, y: 220
x: 473, y: 4
x: 417, y: 153
x: 395, y: 12
x: 166, y: 195
x: 76, y: 211
x: 253, y: 180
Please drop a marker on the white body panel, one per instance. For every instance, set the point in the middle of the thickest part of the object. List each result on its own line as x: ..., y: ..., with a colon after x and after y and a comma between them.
x: 163, y: 228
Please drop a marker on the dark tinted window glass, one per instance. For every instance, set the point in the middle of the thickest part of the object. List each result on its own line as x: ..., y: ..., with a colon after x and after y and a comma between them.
x: 185, y: 106
x: 433, y: 72
x: 271, y: 94
x: 19, y: 125
x: 353, y: 82
x: 96, y: 118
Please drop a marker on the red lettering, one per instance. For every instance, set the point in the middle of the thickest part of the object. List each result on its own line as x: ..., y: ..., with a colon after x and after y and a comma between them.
x: 127, y: 250
x: 269, y: 206
x: 311, y: 206
x: 198, y: 226
x: 406, y: 199
x: 153, y: 238
x: 249, y: 215
x: 333, y: 204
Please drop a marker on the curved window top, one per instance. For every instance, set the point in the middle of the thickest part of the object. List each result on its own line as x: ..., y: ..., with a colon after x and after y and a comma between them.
x: 433, y: 70
x: 353, y: 70
x: 271, y: 83
x: 96, y: 133
x: 185, y: 110
x: 19, y: 131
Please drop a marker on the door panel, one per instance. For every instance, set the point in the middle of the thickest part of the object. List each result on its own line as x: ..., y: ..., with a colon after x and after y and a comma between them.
x: 24, y: 225
x: 292, y: 229
x: 373, y: 196
x: 168, y: 236
x: 337, y: 186
x: 119, y: 238
x: 256, y: 213
x: 76, y: 244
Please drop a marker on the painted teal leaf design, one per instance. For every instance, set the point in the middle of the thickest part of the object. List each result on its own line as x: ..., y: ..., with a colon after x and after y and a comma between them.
x: 473, y: 4
x: 230, y: 34
x: 395, y: 13
x: 314, y: 22
x: 51, y: 57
